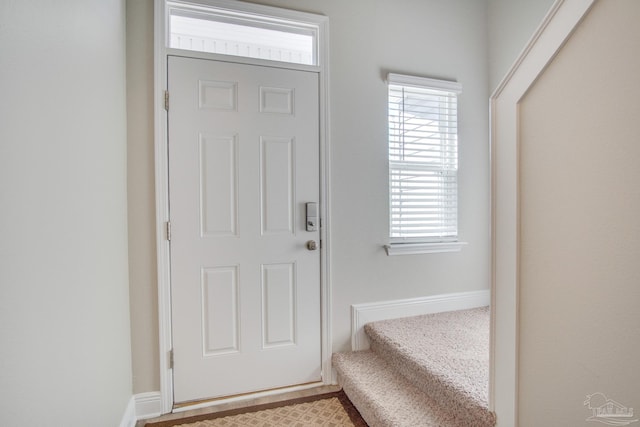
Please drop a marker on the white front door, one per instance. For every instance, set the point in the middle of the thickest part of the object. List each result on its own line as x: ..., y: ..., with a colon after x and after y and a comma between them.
x: 245, y: 287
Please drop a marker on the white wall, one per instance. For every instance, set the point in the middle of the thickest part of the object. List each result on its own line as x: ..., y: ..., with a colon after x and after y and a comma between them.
x: 580, y: 223
x: 511, y: 25
x: 64, y: 306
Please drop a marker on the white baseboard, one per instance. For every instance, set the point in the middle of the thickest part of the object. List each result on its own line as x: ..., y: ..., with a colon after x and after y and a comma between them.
x: 148, y: 405
x: 361, y: 314
x: 129, y: 417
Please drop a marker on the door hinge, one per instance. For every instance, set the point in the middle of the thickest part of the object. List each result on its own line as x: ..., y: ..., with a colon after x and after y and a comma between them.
x: 171, y: 359
x: 166, y: 100
x: 168, y: 230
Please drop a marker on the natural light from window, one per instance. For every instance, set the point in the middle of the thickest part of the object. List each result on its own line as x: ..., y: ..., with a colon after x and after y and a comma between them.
x: 423, y: 160
x: 209, y: 33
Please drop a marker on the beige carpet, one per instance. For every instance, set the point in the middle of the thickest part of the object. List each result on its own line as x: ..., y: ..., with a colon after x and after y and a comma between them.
x: 333, y: 410
x: 428, y: 371
x: 444, y: 354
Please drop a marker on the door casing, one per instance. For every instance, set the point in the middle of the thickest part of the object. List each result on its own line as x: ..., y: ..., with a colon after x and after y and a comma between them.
x: 162, y: 189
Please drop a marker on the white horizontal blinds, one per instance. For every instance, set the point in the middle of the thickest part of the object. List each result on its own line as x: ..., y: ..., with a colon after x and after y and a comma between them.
x: 423, y: 159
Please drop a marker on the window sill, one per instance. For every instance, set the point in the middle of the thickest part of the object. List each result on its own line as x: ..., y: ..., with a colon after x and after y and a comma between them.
x: 422, y: 248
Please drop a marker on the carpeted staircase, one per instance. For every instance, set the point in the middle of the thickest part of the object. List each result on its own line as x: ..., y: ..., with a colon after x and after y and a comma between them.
x: 430, y: 370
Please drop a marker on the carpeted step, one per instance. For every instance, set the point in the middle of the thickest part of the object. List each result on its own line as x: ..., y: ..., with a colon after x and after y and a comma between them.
x: 384, y: 398
x: 445, y: 355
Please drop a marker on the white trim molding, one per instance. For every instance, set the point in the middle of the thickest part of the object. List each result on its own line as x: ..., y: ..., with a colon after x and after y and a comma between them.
x: 161, y: 52
x: 421, y: 82
x: 393, y: 249
x: 361, y: 314
x: 556, y: 28
x: 142, y: 406
x: 148, y: 405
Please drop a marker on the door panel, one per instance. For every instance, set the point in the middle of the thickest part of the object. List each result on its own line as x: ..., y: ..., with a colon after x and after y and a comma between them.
x: 277, y: 185
x: 219, y: 189
x: 243, y: 161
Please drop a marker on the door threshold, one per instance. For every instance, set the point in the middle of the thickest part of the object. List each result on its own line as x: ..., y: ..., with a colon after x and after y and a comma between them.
x: 224, y: 403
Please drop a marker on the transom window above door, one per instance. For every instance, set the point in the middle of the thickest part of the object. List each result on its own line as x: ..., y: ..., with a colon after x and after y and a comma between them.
x: 213, y: 27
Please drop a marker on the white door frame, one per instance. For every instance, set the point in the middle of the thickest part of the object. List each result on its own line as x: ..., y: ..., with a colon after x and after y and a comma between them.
x: 162, y: 173
x: 557, y: 27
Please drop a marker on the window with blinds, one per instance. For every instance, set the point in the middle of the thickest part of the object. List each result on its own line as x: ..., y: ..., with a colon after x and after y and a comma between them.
x: 423, y: 159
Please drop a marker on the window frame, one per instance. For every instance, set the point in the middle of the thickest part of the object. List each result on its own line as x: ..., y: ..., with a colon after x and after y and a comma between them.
x: 406, y: 245
x: 247, y: 16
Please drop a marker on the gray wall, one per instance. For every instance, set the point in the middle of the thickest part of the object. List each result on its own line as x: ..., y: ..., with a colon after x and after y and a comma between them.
x: 433, y: 38
x: 511, y: 25
x: 64, y: 304
x: 580, y: 227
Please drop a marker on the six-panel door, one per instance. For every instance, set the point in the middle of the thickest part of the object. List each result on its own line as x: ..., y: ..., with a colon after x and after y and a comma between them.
x: 245, y: 288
